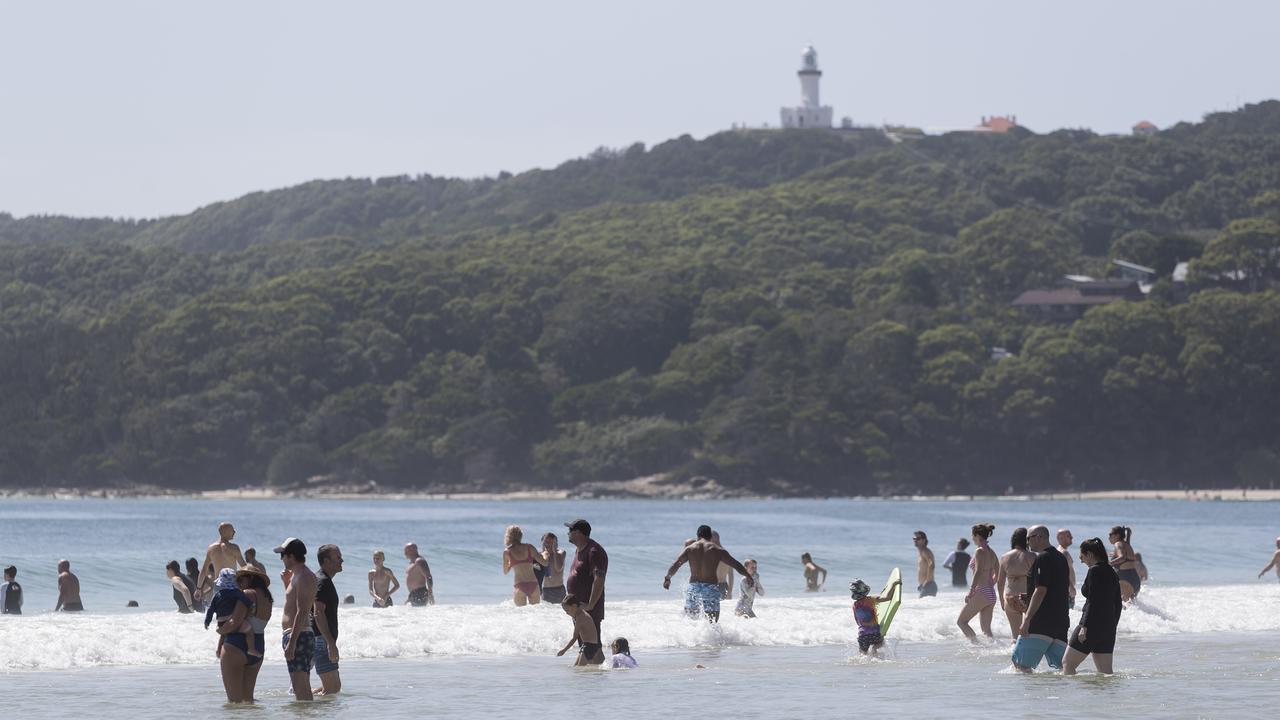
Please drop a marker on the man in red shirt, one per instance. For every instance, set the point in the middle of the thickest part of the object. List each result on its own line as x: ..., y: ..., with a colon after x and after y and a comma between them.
x: 586, y: 577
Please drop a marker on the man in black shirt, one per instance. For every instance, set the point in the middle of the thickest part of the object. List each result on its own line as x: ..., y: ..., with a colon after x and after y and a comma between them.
x: 1046, y: 626
x: 324, y: 620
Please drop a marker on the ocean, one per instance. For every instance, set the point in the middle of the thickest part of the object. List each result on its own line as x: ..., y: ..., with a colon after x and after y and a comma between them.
x: 1200, y: 642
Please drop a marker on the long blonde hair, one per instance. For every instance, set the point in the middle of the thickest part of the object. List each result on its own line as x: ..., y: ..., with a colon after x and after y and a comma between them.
x: 514, y: 535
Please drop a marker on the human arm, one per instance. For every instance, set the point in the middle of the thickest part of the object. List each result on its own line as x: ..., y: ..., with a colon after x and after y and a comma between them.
x: 506, y: 561
x: 729, y: 560
x: 568, y: 645
x: 823, y: 571
x: 681, y: 559
x: 322, y: 624
x: 237, y: 618
x: 395, y: 584
x: 946, y: 564
x: 426, y: 570
x: 1036, y: 598
x: 62, y: 592
x: 1274, y: 559
x: 888, y: 594
x: 1000, y: 580
x: 599, y: 566
x: 372, y: 592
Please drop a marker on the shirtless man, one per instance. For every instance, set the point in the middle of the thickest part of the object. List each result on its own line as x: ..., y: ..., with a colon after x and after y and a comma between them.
x: 299, y: 600
x: 703, y: 555
x: 417, y: 578
x: 1065, y: 539
x: 724, y: 573
x: 924, y: 566
x: 251, y: 560
x: 220, y: 555
x: 380, y: 581
x: 68, y: 589
x: 1275, y: 561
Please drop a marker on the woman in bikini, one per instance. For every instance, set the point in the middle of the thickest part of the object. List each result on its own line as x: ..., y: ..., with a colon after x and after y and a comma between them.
x: 981, y: 600
x: 553, y: 569
x: 239, y: 668
x: 1011, y: 580
x: 1125, y: 562
x: 520, y: 557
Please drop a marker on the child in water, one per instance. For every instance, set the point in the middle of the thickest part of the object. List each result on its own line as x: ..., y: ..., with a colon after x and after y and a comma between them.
x: 223, y: 605
x: 865, y: 615
x: 622, y: 654
x: 749, y: 589
x: 590, y: 651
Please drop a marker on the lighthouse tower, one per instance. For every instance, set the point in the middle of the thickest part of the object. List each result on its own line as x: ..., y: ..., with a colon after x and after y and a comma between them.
x: 811, y: 113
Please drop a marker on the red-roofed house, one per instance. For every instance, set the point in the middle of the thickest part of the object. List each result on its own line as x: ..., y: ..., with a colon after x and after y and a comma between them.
x: 1146, y: 127
x: 998, y: 124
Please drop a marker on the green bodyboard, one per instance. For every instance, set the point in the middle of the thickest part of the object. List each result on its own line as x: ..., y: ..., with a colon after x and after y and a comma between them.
x: 887, y: 610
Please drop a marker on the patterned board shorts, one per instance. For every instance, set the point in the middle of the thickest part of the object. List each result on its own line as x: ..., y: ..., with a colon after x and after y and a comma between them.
x: 304, y: 653
x: 702, y: 599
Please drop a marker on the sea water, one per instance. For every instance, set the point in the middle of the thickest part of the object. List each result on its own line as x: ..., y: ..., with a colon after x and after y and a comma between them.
x: 1202, y: 641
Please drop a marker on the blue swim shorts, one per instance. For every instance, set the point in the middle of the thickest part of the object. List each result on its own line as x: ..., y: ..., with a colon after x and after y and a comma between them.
x: 1031, y: 649
x: 324, y: 664
x: 304, y: 653
x: 702, y: 599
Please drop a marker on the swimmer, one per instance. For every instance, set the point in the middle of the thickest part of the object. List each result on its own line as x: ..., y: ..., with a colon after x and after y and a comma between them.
x: 1096, y: 633
x: 724, y: 573
x: 1275, y: 561
x: 417, y: 578
x: 299, y: 601
x: 1125, y: 562
x: 751, y: 587
x: 251, y: 561
x: 11, y: 593
x: 223, y: 606
x: 1064, y: 546
x: 870, y: 639
x: 590, y: 651
x: 219, y: 556
x: 622, y: 655
x: 981, y: 600
x: 811, y: 572
x: 381, y: 581
x: 958, y: 563
x: 1011, y: 580
x: 703, y: 594
x: 553, y: 569
x: 68, y: 589
x: 924, y: 565
x: 520, y: 556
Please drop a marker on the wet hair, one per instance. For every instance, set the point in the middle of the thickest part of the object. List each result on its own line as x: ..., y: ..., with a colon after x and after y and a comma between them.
x: 250, y: 552
x: 174, y: 566
x: 324, y: 552
x: 749, y: 560
x: 806, y: 557
x: 193, y: 566
x: 380, y: 553
x: 1094, y: 547
x: 550, y: 536
x: 11, y: 571
x: 513, y: 535
x: 1122, y: 531
x: 961, y: 544
x: 569, y: 601
x: 64, y: 565
x: 983, y: 530
x: 704, y: 532
x: 623, y: 646
x: 1019, y: 539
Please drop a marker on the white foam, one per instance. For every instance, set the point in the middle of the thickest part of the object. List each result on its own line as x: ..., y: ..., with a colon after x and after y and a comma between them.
x: 57, y: 641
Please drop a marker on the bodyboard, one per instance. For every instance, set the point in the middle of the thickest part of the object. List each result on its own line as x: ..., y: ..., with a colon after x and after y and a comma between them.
x: 886, y: 611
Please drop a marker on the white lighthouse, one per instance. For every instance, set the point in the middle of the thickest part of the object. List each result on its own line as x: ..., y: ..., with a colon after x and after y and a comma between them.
x: 811, y: 113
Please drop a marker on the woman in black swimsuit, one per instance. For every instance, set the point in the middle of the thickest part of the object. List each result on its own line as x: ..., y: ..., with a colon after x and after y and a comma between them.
x: 239, y: 668
x: 1096, y: 634
x: 1125, y: 561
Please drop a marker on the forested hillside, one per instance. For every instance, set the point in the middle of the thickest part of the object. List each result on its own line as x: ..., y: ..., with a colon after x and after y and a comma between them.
x: 784, y: 311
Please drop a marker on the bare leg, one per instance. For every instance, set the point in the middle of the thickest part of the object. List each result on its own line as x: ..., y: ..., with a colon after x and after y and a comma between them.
x: 972, y: 608
x: 301, y: 682
x: 1102, y: 661
x: 250, y: 681
x: 535, y: 597
x: 1015, y: 619
x: 232, y: 666
x: 984, y: 619
x: 519, y: 598
x: 1126, y: 591
x: 330, y: 683
x: 1072, y: 661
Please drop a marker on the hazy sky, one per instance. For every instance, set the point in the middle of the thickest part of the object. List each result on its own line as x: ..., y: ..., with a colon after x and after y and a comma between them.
x: 138, y: 109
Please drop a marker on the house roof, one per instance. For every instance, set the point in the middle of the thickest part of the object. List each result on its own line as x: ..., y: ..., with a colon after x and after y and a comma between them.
x: 1134, y: 266
x: 1145, y: 125
x: 1062, y: 296
x: 998, y: 124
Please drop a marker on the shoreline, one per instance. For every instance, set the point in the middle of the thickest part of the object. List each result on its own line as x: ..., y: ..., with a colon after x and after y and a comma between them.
x: 247, y: 493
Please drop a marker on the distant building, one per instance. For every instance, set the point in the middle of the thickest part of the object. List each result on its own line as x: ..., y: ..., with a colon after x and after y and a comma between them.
x: 1145, y: 127
x: 1134, y: 271
x: 997, y: 124
x: 1070, y: 301
x: 811, y: 113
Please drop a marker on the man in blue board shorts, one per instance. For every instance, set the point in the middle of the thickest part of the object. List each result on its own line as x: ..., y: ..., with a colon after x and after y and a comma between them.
x: 1046, y: 627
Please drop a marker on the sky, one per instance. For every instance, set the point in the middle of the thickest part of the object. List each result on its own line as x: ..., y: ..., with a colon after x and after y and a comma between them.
x: 135, y: 108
